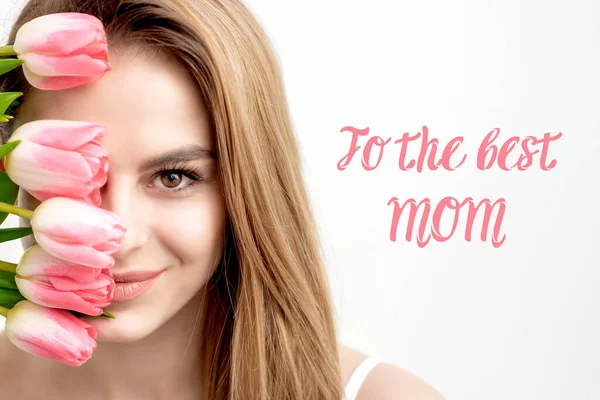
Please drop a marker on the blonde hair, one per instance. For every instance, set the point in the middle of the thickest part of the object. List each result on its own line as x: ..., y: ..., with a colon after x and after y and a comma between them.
x: 270, y: 332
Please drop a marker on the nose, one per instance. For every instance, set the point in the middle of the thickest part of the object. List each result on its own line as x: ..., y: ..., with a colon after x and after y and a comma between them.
x: 118, y: 197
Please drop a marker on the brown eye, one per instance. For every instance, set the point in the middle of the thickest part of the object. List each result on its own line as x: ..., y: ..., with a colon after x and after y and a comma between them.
x: 171, y: 180
x: 176, y: 180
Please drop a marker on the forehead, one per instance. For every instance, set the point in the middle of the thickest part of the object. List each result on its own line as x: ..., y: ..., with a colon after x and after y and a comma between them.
x: 146, y: 103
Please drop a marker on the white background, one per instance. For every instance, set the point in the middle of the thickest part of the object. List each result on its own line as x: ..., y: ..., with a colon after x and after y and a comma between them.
x: 516, y: 322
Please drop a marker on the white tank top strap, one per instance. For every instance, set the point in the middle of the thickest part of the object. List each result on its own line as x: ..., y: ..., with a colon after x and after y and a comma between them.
x: 359, y: 375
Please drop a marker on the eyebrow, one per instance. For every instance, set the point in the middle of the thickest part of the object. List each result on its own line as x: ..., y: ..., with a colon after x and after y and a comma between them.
x: 183, y: 154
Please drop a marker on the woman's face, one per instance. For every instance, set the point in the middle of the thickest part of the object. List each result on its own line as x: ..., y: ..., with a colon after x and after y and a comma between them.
x: 150, y: 108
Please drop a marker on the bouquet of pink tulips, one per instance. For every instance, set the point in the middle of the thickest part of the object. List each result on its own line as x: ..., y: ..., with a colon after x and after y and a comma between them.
x: 63, y: 164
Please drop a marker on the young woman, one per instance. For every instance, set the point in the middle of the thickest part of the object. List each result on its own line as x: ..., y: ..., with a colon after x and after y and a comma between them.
x: 205, y: 174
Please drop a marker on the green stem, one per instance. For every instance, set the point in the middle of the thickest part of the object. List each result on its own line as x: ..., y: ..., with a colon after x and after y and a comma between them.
x: 21, y: 212
x: 7, y: 51
x: 4, y: 311
x: 8, y: 266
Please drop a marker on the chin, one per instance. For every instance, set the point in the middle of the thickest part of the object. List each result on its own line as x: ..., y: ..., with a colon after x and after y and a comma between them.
x: 134, y: 322
x: 123, y: 328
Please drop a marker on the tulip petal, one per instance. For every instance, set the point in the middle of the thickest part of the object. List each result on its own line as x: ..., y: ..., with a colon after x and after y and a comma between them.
x: 59, y: 158
x: 78, y: 232
x: 62, y: 134
x: 94, y: 164
x: 82, y: 17
x: 47, y: 193
x: 37, y: 350
x: 62, y: 50
x: 108, y: 247
x: 73, y: 252
x: 93, y: 149
x: 47, y: 297
x: 84, y: 233
x: 49, y: 266
x: 52, y: 282
x: 79, y: 222
x: 66, y: 283
x: 57, y: 82
x: 50, y: 333
x: 95, y: 198
x: 58, y: 33
x: 78, y: 65
x: 55, y: 162
x: 71, y: 322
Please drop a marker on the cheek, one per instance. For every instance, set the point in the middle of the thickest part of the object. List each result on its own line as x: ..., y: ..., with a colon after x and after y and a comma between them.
x: 195, y: 233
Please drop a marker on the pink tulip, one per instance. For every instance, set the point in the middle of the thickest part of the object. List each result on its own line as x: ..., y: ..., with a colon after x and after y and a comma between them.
x: 52, y: 282
x: 59, y: 158
x: 63, y: 50
x: 50, y: 333
x: 76, y: 231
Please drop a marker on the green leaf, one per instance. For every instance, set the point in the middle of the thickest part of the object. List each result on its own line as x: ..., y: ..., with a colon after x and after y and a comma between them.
x: 7, y: 280
x: 81, y: 315
x: 8, y: 297
x: 8, y: 193
x: 6, y: 100
x: 8, y: 64
x: 10, y: 109
x: 8, y: 234
x: 8, y: 147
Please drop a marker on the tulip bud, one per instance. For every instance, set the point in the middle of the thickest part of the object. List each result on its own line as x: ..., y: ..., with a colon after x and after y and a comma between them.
x: 59, y: 158
x: 62, y: 50
x: 52, y: 282
x: 50, y: 333
x: 76, y: 231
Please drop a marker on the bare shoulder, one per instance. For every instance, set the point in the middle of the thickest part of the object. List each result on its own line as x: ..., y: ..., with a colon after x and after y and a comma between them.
x: 385, y: 381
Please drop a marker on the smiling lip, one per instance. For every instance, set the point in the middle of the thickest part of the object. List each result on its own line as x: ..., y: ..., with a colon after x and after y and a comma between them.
x: 131, y: 285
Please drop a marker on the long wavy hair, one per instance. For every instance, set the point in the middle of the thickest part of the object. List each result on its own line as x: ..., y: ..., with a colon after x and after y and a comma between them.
x: 270, y: 330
